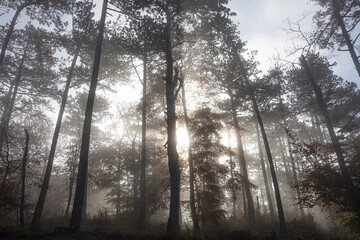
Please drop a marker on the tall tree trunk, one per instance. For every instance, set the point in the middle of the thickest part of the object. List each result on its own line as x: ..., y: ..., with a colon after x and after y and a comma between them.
x: 136, y: 180
x: 320, y: 132
x: 345, y: 34
x: 173, y: 228
x: 76, y: 215
x: 296, y: 181
x: 283, y: 231
x: 71, y: 183
x: 35, y: 223
x: 233, y: 190
x: 283, y: 158
x: 23, y: 172
x: 241, y: 157
x: 10, y: 31
x: 5, y: 119
x: 194, y: 216
x: 335, y: 141
x: 143, y: 151
x: 266, y: 182
x: 292, y: 160
x: 118, y: 178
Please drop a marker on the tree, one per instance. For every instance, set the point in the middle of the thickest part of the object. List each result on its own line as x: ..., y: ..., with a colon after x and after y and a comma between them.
x: 283, y: 231
x: 206, y: 150
x: 23, y: 176
x: 28, y: 87
x: 194, y: 215
x: 75, y: 220
x: 330, y: 127
x: 81, y: 26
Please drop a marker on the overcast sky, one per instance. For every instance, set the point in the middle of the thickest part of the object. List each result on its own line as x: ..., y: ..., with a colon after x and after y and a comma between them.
x: 262, y: 24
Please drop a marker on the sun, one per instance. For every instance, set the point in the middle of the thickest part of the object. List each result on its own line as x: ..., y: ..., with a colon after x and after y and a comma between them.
x: 182, y: 137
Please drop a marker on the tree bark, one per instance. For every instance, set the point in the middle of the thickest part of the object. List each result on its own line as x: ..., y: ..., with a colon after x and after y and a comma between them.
x: 35, y: 223
x: 242, y: 162
x: 143, y: 152
x: 266, y: 182
x: 76, y: 215
x: 23, y: 172
x: 194, y: 216
x: 173, y: 228
x: 345, y: 34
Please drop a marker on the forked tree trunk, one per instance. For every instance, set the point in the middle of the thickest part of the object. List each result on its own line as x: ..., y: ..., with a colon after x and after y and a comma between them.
x: 76, y: 215
x: 194, y: 215
x: 241, y: 157
x: 143, y: 151
x: 266, y: 182
x: 35, y: 223
x: 23, y: 172
x: 345, y: 34
x: 283, y: 231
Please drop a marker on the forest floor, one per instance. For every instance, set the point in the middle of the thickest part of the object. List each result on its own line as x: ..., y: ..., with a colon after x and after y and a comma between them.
x: 61, y: 233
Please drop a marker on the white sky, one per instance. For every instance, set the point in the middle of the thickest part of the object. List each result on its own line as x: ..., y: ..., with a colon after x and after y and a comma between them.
x: 261, y: 24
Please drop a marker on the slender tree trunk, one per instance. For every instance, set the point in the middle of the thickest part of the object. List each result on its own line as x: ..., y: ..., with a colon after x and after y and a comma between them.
x: 76, y: 215
x: 118, y: 178
x: 173, y: 228
x: 296, y: 181
x: 23, y: 172
x: 71, y: 183
x: 35, y: 223
x: 283, y: 231
x: 136, y: 180
x: 194, y: 216
x: 321, y: 135
x: 283, y: 158
x: 10, y: 31
x: 233, y: 190
x: 143, y: 151
x: 5, y: 119
x: 262, y: 162
x: 242, y: 162
x: 345, y: 34
x: 258, y: 215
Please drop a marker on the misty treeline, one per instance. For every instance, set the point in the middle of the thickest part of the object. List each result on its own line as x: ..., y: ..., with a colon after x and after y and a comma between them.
x: 272, y: 153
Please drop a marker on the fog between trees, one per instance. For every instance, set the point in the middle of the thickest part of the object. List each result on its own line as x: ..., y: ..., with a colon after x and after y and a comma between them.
x: 167, y: 127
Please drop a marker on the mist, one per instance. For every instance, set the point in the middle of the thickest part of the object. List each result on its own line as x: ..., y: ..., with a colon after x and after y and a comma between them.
x: 134, y: 120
